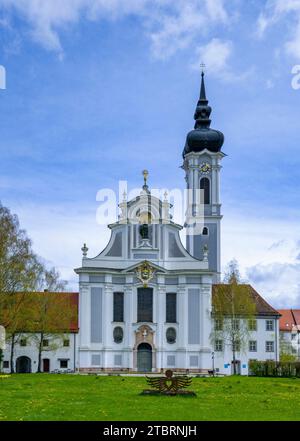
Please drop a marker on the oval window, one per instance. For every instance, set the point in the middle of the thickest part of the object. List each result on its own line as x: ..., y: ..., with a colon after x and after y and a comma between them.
x: 118, y: 334
x: 171, y: 335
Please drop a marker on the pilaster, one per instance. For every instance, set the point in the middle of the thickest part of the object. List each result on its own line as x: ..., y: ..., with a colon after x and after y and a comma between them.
x: 84, y: 315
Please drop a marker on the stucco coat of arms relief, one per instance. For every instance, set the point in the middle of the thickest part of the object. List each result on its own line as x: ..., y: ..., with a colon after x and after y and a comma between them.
x: 145, y: 272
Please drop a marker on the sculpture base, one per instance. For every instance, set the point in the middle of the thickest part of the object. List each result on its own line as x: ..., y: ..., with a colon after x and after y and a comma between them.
x: 169, y: 392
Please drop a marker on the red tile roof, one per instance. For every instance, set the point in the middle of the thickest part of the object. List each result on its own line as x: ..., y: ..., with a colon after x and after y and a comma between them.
x: 262, y: 307
x: 68, y: 301
x: 289, y: 319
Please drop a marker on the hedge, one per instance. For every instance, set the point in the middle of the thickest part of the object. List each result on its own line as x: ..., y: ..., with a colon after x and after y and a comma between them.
x: 274, y: 368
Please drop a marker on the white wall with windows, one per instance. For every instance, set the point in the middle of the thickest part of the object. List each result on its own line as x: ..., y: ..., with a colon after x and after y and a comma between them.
x: 261, y: 342
x: 58, y: 354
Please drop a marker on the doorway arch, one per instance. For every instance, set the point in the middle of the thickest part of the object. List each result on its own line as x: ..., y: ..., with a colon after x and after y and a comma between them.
x: 23, y: 365
x: 144, y: 358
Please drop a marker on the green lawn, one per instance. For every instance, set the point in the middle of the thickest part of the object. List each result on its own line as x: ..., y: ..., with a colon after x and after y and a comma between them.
x: 74, y: 397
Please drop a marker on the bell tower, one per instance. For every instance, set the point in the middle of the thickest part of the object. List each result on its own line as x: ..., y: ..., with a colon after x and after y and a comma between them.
x: 202, y: 157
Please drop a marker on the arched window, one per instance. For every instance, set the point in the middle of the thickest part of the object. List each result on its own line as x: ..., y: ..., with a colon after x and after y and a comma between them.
x: 205, y: 231
x: 205, y: 186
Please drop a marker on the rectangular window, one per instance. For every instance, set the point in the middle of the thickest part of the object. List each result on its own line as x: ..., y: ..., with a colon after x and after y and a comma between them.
x: 171, y: 307
x: 45, y: 343
x: 269, y: 325
x: 5, y: 364
x: 23, y: 342
x: 145, y: 305
x: 96, y: 360
x: 236, y: 346
x: 218, y: 324
x: 252, y: 325
x: 253, y: 346
x: 118, y: 307
x: 269, y: 346
x: 219, y: 345
x: 64, y: 364
x: 66, y: 343
x: 235, y: 324
x: 293, y: 336
x: 118, y: 360
x: 194, y: 361
x: 171, y: 360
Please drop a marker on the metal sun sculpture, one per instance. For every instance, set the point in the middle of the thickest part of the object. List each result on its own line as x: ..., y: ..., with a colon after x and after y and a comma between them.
x: 170, y: 384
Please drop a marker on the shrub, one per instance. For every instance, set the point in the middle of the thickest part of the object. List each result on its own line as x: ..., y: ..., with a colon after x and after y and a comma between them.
x: 274, y: 368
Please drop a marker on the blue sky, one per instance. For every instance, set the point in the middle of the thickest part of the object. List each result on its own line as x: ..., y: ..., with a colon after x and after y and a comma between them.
x: 98, y: 90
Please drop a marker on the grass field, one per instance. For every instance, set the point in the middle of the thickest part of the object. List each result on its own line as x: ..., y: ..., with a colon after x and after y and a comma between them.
x: 73, y: 397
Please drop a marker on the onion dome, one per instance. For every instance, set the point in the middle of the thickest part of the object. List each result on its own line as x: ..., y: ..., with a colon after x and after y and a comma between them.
x: 203, y: 137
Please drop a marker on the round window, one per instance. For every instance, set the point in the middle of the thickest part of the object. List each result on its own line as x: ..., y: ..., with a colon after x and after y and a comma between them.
x: 171, y: 335
x: 118, y: 334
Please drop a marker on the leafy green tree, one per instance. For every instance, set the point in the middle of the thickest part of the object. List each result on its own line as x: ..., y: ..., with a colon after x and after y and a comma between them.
x: 19, y: 270
x: 22, y: 272
x: 19, y: 265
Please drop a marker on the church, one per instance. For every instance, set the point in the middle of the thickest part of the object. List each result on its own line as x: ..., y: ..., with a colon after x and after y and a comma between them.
x: 145, y: 302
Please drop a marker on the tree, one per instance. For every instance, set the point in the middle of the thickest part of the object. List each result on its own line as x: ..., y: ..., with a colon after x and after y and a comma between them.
x: 19, y: 268
x: 19, y: 265
x: 52, y: 313
x: 287, y: 352
x: 22, y: 272
x: 233, y: 312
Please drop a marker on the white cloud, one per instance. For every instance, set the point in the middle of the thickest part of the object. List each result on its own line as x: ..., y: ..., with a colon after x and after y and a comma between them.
x: 216, y: 56
x: 278, y: 10
x: 267, y: 252
x: 278, y: 282
x: 189, y: 19
x: 171, y: 25
x: 292, y: 47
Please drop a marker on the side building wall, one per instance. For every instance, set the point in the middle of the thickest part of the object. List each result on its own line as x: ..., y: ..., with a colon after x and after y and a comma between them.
x: 264, y: 351
x: 61, y: 358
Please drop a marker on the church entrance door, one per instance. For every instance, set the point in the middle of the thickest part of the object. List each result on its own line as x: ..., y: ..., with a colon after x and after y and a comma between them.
x: 23, y: 365
x: 144, y: 358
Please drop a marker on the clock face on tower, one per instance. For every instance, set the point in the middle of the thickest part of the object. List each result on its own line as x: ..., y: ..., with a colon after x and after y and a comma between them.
x: 205, y: 168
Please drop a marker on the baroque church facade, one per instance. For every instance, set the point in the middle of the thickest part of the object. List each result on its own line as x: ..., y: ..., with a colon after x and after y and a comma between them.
x: 145, y: 302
